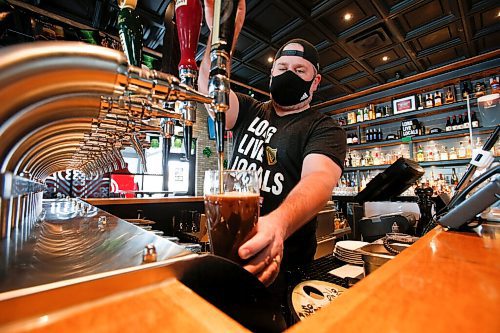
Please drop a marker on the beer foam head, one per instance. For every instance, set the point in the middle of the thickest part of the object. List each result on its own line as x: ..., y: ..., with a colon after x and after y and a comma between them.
x: 238, y: 194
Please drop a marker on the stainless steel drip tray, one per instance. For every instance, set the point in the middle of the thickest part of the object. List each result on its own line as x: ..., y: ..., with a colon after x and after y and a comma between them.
x: 375, y: 255
x: 71, y: 242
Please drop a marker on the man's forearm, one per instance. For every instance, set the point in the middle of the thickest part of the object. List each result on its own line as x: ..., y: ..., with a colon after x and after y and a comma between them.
x: 204, y: 71
x: 307, y: 198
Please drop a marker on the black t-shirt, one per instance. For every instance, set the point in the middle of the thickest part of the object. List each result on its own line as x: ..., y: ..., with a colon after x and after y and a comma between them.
x: 276, y: 146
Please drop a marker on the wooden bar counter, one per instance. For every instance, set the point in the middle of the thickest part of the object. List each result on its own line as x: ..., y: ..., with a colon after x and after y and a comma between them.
x: 445, y: 282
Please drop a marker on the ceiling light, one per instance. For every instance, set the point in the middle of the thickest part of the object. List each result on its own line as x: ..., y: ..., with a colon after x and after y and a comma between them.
x: 347, y: 16
x: 385, y: 58
x: 270, y: 59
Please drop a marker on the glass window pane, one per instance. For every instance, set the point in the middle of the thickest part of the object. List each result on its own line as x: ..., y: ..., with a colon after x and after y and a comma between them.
x: 153, y: 183
x: 154, y: 159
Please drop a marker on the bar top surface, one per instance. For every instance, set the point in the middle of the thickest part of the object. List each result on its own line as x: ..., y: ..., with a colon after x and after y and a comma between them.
x: 447, y: 281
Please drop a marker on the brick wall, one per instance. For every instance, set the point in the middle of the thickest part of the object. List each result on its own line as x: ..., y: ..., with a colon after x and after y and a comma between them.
x: 204, y: 163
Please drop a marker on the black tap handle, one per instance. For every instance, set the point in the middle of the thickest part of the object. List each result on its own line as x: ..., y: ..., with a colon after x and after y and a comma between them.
x: 226, y: 24
x: 220, y: 127
x: 188, y: 136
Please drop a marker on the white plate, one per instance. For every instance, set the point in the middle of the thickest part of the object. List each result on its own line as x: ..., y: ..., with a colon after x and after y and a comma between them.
x: 348, y: 256
x: 348, y: 260
x: 350, y: 245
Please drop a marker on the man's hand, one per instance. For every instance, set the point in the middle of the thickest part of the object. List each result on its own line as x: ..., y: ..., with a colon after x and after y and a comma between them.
x: 265, y: 250
x: 238, y: 23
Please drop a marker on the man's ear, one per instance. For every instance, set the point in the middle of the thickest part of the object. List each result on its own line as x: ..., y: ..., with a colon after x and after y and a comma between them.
x: 316, y: 82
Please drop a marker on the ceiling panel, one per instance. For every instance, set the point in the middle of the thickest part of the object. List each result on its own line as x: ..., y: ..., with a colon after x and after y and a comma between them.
x: 423, y: 14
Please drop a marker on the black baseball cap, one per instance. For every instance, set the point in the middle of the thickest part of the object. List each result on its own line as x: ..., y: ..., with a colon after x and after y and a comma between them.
x: 310, y: 53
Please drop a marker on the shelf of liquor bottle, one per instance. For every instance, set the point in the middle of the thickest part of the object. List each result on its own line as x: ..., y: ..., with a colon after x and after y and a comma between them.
x: 453, y: 134
x: 351, y: 198
x: 421, y: 138
x: 367, y: 167
x: 445, y: 163
x: 400, y: 116
x: 448, y: 163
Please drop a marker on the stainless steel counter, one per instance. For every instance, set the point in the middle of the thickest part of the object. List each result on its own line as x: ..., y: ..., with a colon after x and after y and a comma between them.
x: 70, y: 242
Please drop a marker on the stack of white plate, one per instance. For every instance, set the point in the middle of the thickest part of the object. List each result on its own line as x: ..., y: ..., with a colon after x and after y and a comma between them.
x: 346, y: 251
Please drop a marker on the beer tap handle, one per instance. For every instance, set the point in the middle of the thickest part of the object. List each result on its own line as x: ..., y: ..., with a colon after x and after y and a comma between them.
x: 188, y: 18
x: 130, y: 31
x: 170, y: 54
x: 136, y: 144
x: 220, y: 56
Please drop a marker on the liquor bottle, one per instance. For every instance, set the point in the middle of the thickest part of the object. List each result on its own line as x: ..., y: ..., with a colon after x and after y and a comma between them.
x: 362, y: 161
x: 349, y: 161
x: 376, y: 160
x: 438, y: 100
x: 453, y: 154
x: 369, y: 158
x: 378, y: 113
x: 371, y: 112
x: 479, y: 89
x: 420, y: 102
x: 420, y: 154
x: 366, y: 115
x: 421, y: 128
x: 466, y: 88
x: 428, y: 156
x: 359, y: 116
x: 353, y: 180
x: 369, y: 136
x: 444, y: 154
x: 355, y: 139
x: 462, y: 152
x: 460, y: 122
x: 454, y: 124
x: 380, y: 135
x: 429, y: 103
x: 449, y: 95
x: 448, y: 125
x: 363, y: 182
x: 466, y: 121
x: 436, y: 154
x: 454, y: 177
x: 495, y: 85
x: 474, y: 121
x: 388, y: 111
x: 349, y: 139
x: 468, y: 150
x: 479, y: 144
x: 382, y: 158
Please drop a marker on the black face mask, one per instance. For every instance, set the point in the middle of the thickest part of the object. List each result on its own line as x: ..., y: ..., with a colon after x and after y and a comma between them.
x: 289, y: 89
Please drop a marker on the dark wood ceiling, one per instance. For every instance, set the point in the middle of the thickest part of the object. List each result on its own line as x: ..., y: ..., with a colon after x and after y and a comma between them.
x: 414, y: 35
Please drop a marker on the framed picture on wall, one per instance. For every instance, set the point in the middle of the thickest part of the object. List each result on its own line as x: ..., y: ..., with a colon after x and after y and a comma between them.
x: 405, y: 104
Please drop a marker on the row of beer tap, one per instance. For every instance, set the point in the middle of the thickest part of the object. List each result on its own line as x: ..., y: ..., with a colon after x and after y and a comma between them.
x: 154, y: 102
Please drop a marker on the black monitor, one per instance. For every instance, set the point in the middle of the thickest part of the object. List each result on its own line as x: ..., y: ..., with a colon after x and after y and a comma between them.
x: 392, y: 182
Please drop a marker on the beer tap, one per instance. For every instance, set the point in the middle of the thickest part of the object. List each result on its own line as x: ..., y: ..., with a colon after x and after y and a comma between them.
x: 220, y: 62
x: 188, y: 19
x: 130, y: 30
x: 136, y: 144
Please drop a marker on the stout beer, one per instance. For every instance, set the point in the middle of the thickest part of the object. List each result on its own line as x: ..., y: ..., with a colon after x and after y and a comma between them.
x: 231, y: 218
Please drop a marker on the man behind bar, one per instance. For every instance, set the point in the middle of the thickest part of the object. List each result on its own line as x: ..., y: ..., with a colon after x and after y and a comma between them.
x: 298, y: 152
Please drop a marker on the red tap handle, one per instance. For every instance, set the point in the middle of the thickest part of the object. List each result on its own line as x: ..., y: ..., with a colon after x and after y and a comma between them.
x: 188, y: 15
